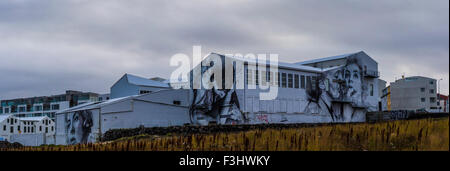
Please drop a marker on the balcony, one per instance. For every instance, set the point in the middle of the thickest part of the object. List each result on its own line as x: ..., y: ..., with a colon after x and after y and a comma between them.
x: 371, y: 73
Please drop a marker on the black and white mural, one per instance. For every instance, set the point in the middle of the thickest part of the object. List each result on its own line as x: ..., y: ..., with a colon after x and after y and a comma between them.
x: 340, y: 93
x: 216, y: 105
x: 79, y: 127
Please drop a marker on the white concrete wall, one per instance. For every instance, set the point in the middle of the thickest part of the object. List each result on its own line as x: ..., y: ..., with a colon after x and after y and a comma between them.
x: 33, y: 139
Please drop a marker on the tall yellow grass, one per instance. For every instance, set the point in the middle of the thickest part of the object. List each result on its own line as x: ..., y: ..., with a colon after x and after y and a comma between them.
x: 406, y: 135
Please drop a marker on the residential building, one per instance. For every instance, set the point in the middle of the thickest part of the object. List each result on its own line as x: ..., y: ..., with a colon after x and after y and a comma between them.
x: 45, y: 105
x: 9, y: 124
x: 413, y: 93
x: 37, y: 125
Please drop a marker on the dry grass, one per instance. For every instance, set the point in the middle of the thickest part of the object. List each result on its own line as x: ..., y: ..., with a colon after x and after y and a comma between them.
x: 406, y: 135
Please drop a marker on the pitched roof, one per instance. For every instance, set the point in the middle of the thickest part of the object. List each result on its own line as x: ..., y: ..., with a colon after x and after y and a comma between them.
x: 96, y: 105
x: 140, y: 81
x: 280, y: 64
x: 4, y: 116
x: 327, y: 58
x: 39, y: 118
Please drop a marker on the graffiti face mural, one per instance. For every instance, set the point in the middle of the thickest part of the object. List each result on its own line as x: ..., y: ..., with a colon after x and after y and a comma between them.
x: 338, y: 92
x: 79, y: 126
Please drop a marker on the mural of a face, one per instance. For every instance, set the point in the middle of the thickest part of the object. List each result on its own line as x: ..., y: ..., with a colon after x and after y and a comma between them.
x: 340, y: 92
x: 79, y: 126
x: 346, y: 83
x: 353, y: 83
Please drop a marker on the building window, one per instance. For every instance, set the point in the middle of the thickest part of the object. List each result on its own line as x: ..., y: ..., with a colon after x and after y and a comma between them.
x: 371, y: 89
x: 144, y: 92
x: 11, y: 129
x: 431, y: 82
x: 176, y: 102
x: 22, y: 109
x: 422, y: 89
x: 257, y: 77
x: 4, y: 127
x: 290, y: 79
x: 271, y: 80
x: 284, y: 80
x: 18, y: 128
x: 313, y: 83
x: 278, y: 79
x: 249, y: 77
x: 302, y: 81
x: 432, y: 91
x: 46, y: 129
x: 40, y: 128
x: 296, y: 81
x: 432, y: 100
x: 6, y: 110
x: 52, y: 128
x: 32, y: 129
x: 38, y: 108
x: 55, y: 107
x: 308, y: 81
x: 422, y: 99
x: 263, y: 78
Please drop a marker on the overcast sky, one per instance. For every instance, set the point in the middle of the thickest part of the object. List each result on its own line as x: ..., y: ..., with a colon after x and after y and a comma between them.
x: 49, y: 46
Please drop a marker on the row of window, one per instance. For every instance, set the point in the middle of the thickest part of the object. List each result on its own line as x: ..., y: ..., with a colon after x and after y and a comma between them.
x: 287, y: 80
x: 11, y: 121
x: 423, y: 90
x: 28, y: 129
x: 432, y: 99
x: 284, y: 80
x: 36, y: 108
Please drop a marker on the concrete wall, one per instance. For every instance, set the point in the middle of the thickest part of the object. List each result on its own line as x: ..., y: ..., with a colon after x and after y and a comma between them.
x: 33, y: 139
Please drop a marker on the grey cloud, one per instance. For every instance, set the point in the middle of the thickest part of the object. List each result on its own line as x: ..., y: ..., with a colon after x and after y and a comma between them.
x: 89, y: 44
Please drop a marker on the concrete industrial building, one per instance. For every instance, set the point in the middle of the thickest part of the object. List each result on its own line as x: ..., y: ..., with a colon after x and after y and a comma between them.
x: 411, y: 93
x: 334, y: 89
x: 45, y: 105
x: 129, y: 85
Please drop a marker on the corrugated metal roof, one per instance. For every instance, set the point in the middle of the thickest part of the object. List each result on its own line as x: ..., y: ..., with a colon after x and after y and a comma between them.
x: 140, y: 81
x: 327, y: 58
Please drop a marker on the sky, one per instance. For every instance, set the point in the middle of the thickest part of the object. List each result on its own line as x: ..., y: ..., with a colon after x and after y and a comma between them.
x: 49, y: 46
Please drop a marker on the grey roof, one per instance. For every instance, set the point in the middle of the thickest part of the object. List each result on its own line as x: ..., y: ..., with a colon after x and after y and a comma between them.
x: 140, y: 81
x: 280, y: 64
x: 327, y: 58
x: 96, y: 105
x: 4, y: 116
x: 38, y: 118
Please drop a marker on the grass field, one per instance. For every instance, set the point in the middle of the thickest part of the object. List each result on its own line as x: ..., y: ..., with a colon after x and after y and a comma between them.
x: 405, y: 135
